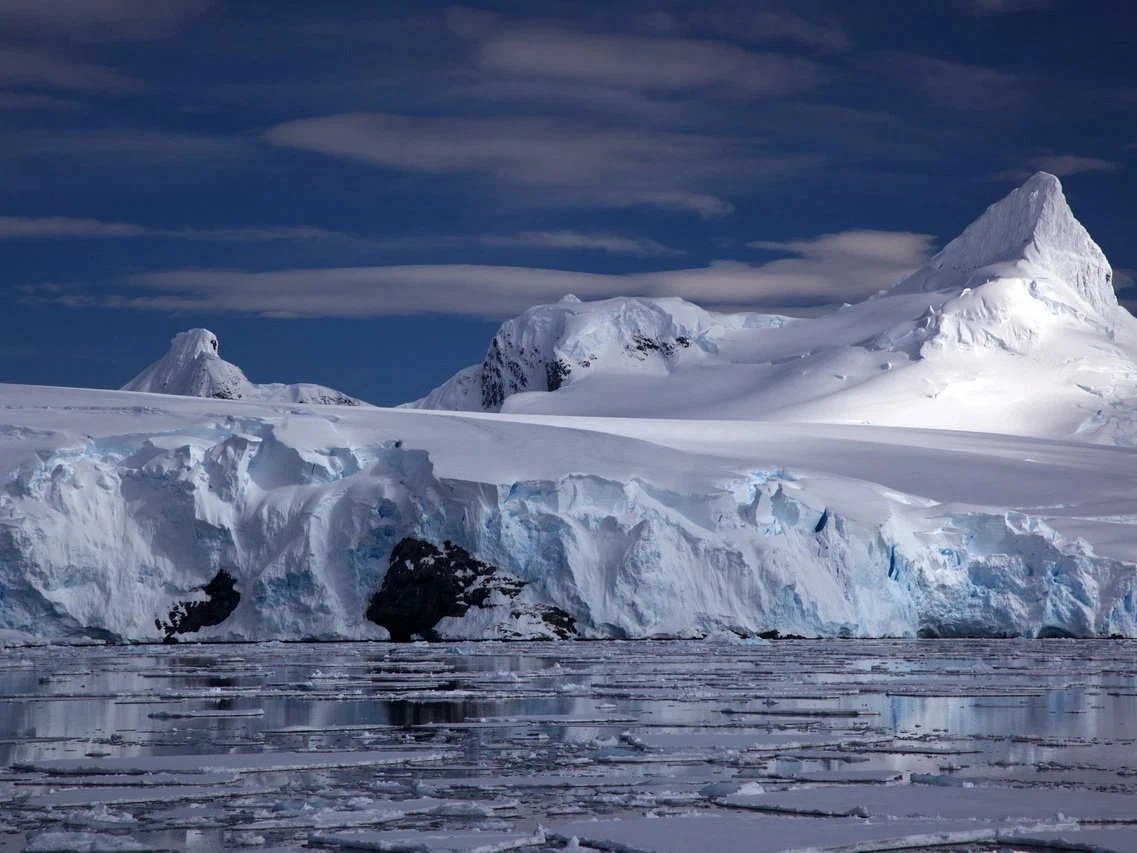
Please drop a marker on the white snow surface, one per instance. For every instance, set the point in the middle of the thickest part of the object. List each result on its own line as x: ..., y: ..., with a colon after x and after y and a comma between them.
x: 193, y: 368
x: 117, y: 505
x: 1013, y: 328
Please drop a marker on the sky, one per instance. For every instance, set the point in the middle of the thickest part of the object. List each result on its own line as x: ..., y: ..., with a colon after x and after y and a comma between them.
x: 357, y: 193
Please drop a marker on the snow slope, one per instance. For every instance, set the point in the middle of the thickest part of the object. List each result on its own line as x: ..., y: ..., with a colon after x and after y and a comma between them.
x: 1013, y: 328
x: 119, y: 511
x: 193, y: 368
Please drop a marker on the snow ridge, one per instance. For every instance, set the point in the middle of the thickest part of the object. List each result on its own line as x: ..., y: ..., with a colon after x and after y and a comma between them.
x: 550, y: 347
x: 193, y: 368
x: 1012, y: 328
x: 1033, y: 229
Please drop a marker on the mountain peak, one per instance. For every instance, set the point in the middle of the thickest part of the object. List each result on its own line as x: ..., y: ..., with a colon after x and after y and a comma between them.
x: 1042, y: 182
x: 192, y: 367
x: 1034, y: 229
x: 193, y: 343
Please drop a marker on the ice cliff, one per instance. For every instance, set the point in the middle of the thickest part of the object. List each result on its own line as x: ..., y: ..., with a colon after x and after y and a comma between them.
x: 193, y: 367
x: 154, y: 517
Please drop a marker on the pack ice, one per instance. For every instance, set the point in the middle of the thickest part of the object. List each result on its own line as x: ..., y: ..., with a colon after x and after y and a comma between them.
x: 949, y: 458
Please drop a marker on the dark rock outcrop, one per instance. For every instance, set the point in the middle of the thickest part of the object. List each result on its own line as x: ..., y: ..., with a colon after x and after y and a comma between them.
x: 425, y: 584
x: 189, y: 616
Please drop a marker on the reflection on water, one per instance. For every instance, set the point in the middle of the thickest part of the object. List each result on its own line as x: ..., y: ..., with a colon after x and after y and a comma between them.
x: 1019, y: 713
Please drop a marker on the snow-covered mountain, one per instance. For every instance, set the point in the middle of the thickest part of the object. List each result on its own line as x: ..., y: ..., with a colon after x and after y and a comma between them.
x: 1012, y: 328
x: 778, y: 476
x: 193, y: 368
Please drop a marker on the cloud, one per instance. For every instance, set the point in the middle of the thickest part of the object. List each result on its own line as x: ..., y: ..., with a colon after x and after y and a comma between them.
x: 870, y: 256
x: 523, y: 149
x: 31, y: 102
x: 741, y: 21
x: 23, y: 67
x: 136, y: 147
x: 1063, y: 165
x: 1002, y: 7
x: 828, y: 269
x: 41, y: 227
x: 639, y: 62
x: 610, y: 243
x: 782, y: 25
x: 64, y: 226
x: 585, y: 162
x: 99, y: 19
x: 955, y: 85
x: 255, y: 235
x: 21, y: 227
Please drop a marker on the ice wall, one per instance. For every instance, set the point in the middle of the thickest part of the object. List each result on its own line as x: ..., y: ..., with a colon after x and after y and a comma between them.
x: 111, y: 536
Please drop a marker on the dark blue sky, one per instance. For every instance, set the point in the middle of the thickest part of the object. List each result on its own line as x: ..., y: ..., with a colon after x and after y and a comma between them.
x: 354, y: 193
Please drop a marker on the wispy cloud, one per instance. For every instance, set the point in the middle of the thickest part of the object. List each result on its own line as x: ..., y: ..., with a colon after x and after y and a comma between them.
x: 133, y: 146
x: 741, y: 21
x: 64, y: 226
x: 1062, y: 165
x: 23, y: 227
x: 860, y: 259
x: 98, y: 19
x: 781, y: 25
x: 35, y: 102
x: 955, y: 85
x: 651, y: 63
x: 828, y: 269
x: 1073, y: 164
x: 610, y: 243
x: 24, y: 67
x: 46, y: 227
x: 585, y: 162
x: 1003, y: 7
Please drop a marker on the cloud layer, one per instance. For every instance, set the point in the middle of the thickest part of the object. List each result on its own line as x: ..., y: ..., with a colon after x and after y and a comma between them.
x: 653, y: 64
x: 828, y: 269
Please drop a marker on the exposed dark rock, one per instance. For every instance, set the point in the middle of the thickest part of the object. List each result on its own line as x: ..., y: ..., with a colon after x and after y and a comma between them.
x: 555, y: 374
x: 563, y: 625
x: 778, y: 635
x: 642, y: 345
x: 333, y: 400
x: 425, y: 584
x: 190, y: 616
x: 493, y: 378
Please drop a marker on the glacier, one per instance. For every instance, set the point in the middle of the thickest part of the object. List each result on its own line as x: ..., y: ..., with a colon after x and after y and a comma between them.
x: 952, y: 457
x: 119, y: 509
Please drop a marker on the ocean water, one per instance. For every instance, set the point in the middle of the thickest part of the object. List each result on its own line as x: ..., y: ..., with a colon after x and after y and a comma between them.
x: 660, y: 746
